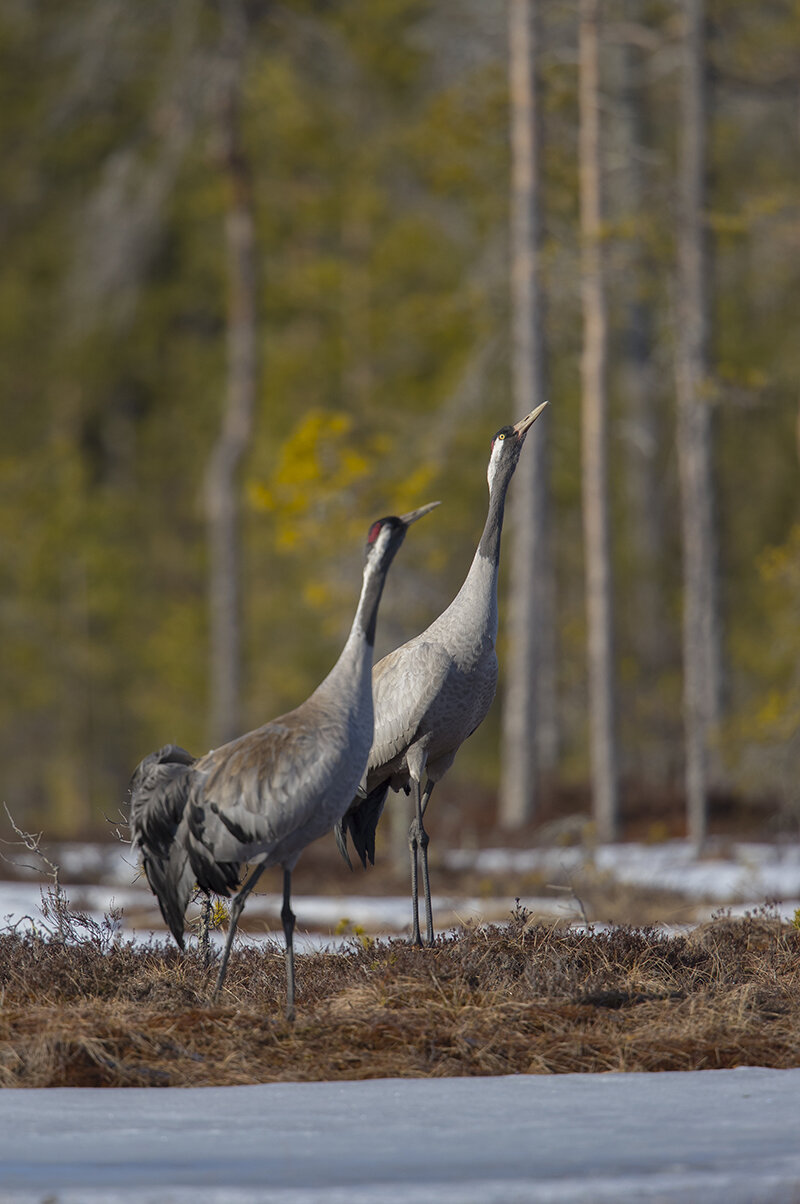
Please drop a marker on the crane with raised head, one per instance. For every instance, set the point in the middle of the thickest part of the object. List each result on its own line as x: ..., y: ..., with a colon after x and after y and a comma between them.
x: 260, y: 799
x: 434, y: 691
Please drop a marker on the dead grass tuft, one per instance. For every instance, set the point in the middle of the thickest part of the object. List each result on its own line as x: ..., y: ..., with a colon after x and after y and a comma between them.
x: 522, y: 998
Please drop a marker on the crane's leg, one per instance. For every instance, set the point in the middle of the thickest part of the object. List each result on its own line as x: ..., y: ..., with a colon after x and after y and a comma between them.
x: 424, y: 841
x: 413, y: 845
x: 418, y: 840
x: 287, y: 916
x: 236, y: 911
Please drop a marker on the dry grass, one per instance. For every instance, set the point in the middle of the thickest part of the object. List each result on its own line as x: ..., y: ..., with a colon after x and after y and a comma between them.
x: 522, y: 998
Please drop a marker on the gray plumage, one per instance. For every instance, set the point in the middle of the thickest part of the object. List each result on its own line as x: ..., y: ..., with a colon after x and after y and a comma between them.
x: 159, y: 789
x: 433, y: 692
x: 263, y: 797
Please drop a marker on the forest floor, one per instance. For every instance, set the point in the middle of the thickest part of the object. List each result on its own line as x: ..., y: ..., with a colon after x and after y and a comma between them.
x: 82, y: 1008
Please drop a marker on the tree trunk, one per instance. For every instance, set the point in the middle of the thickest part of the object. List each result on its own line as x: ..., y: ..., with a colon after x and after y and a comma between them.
x: 221, y: 492
x: 529, y: 706
x: 702, y: 670
x: 649, y: 634
x: 595, y: 439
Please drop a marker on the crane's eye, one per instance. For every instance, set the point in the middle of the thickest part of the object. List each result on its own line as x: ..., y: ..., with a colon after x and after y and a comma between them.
x: 501, y: 435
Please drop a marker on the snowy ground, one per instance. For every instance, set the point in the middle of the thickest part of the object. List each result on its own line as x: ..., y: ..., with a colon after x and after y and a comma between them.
x: 713, y: 1136
x: 736, y: 872
x: 741, y: 876
x: 720, y: 1137
x: 322, y: 921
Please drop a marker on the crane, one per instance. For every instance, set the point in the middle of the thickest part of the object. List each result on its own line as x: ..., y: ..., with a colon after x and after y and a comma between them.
x: 434, y: 691
x: 260, y: 799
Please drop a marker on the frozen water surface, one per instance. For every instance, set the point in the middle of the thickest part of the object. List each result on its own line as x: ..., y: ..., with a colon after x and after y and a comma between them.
x: 721, y: 1137
x: 717, y: 1136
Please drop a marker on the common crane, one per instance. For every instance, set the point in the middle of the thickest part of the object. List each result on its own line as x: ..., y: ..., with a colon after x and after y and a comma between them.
x: 434, y: 691
x: 263, y: 797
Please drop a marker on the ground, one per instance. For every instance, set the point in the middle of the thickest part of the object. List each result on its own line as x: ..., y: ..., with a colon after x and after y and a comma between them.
x: 83, y: 1008
x: 723, y: 1137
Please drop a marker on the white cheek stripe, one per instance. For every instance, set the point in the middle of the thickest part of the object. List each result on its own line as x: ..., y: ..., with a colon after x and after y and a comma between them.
x: 493, y: 461
x: 383, y: 539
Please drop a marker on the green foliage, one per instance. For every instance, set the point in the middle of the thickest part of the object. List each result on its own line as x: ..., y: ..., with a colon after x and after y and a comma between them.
x: 376, y: 135
x: 761, y: 739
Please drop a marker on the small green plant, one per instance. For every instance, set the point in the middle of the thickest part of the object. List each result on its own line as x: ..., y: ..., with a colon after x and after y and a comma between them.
x: 346, y: 927
x: 219, y: 914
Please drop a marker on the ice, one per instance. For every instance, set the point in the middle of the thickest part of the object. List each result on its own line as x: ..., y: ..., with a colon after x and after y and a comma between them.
x: 713, y: 1136
x: 728, y: 1135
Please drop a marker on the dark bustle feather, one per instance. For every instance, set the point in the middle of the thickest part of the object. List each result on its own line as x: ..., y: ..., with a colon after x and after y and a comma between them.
x: 159, y: 790
x: 361, y: 821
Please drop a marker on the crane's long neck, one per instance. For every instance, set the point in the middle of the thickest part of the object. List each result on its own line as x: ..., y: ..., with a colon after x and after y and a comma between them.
x: 475, y: 605
x: 354, y: 666
x: 489, y: 546
x: 367, y: 610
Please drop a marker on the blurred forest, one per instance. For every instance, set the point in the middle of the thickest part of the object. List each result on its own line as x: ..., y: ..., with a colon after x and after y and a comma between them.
x: 371, y: 138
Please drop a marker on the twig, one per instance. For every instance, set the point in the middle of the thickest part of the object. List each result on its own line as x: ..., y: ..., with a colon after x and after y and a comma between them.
x: 32, y: 842
x: 572, y: 891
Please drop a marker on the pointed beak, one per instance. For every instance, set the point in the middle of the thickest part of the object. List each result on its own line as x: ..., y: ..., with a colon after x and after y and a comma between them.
x: 413, y: 515
x: 523, y: 425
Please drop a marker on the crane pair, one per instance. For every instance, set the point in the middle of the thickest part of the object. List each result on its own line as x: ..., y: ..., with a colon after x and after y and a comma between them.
x: 330, y: 763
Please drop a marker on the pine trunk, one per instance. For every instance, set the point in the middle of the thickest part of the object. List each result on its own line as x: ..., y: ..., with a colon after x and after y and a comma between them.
x: 529, y: 707
x: 649, y: 636
x: 702, y: 671
x: 222, y: 484
x: 594, y: 433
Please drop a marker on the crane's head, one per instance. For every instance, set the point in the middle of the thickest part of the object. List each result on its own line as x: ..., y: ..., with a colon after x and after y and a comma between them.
x: 386, y: 535
x: 507, y: 445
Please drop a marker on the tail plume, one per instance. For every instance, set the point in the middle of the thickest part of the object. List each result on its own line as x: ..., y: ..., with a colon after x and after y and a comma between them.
x: 159, y: 791
x: 361, y: 821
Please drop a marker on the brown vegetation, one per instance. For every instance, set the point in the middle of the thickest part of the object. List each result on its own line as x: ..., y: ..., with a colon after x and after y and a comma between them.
x: 523, y: 998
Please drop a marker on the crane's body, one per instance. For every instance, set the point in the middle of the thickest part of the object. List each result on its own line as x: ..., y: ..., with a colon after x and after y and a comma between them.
x: 263, y: 797
x: 260, y: 799
x: 433, y: 692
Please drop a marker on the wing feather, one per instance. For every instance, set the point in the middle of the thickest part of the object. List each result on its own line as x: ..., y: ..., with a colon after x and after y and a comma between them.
x: 159, y: 791
x: 405, y: 685
x: 361, y: 821
x: 256, y: 793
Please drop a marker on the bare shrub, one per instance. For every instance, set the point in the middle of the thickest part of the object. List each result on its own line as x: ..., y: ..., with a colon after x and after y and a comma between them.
x: 524, y: 997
